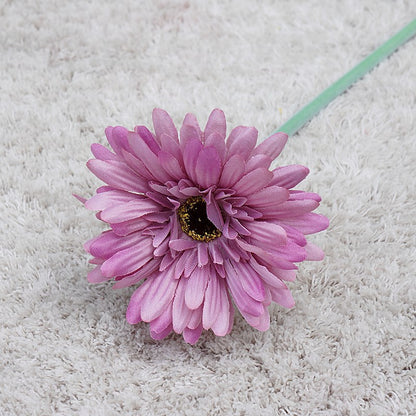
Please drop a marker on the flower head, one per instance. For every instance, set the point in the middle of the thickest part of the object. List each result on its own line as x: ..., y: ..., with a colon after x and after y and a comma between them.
x: 200, y: 222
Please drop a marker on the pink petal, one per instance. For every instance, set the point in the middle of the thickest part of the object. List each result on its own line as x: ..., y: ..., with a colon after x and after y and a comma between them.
x: 171, y: 165
x: 250, y: 281
x: 216, y: 141
x: 313, y: 252
x: 242, y: 141
x: 261, y: 323
x: 269, y: 196
x: 191, y: 336
x: 309, y: 223
x: 162, y: 322
x: 102, y: 153
x: 163, y: 124
x: 133, y: 314
x: 143, y: 273
x: 266, y: 234
x: 128, y: 260
x: 190, y: 156
x: 149, y: 159
x: 182, y: 244
x: 117, y: 174
x: 117, y: 137
x: 195, y: 289
x: 216, y: 123
x: 161, y: 335
x: 212, y: 302
x: 171, y: 146
x: 245, y: 303
x: 253, y: 181
x: 272, y: 146
x: 258, y: 161
x: 208, y: 167
x: 221, y: 325
x: 202, y: 254
x: 95, y: 276
x: 159, y: 296
x: 232, y: 171
x: 290, y: 209
x: 282, y: 297
x: 130, y: 210
x: 181, y: 314
x: 214, y: 214
x: 289, y: 176
x: 298, y: 195
x: 107, y: 199
x: 188, y: 133
x: 108, y: 243
x: 148, y: 138
x: 128, y: 227
x: 267, y: 276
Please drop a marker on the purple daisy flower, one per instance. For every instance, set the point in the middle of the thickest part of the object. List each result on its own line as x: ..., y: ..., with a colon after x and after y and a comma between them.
x: 201, y: 222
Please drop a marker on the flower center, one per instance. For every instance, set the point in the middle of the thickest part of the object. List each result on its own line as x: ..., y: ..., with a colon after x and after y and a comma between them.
x: 194, y: 221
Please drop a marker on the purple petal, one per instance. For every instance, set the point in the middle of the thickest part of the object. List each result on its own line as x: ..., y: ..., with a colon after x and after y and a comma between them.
x: 309, y: 223
x: 242, y: 141
x: 128, y: 260
x: 250, y: 281
x: 282, y: 297
x: 253, y: 181
x: 221, y: 325
x: 212, y: 302
x: 163, y: 124
x: 266, y: 234
x: 289, y: 176
x: 314, y: 253
x: 190, y: 156
x: 216, y: 123
x: 95, y: 276
x: 161, y: 335
x: 109, y: 243
x: 181, y: 314
x: 272, y: 146
x: 131, y: 210
x: 208, y: 167
x: 269, y: 196
x: 133, y: 314
x: 102, y: 153
x: 232, y: 171
x: 258, y: 161
x: 188, y: 133
x: 214, y: 214
x: 290, y: 209
x: 191, y: 336
x: 143, y: 273
x: 171, y: 146
x: 128, y: 227
x: 215, y: 140
x: 267, y: 276
x: 162, y: 322
x: 298, y: 195
x: 150, y: 160
x: 261, y: 323
x: 171, y: 165
x: 158, y: 296
x: 195, y: 289
x: 148, y: 138
x: 117, y: 174
x: 117, y: 137
x: 107, y: 199
x: 182, y: 244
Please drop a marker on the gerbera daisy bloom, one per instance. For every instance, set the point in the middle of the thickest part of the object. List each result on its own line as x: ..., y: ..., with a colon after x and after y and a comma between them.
x: 201, y: 222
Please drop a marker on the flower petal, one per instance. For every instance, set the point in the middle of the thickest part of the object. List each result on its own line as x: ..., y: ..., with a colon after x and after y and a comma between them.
x: 95, y: 275
x: 272, y: 146
x: 232, y: 171
x: 131, y: 210
x: 190, y: 156
x: 117, y: 174
x: 216, y: 123
x: 171, y: 165
x: 309, y: 223
x: 215, y: 140
x: 191, y: 336
x: 208, y: 167
x: 181, y: 314
x: 128, y: 260
x: 133, y: 314
x: 289, y: 176
x: 269, y: 196
x: 102, y: 153
x: 242, y: 141
x: 253, y: 181
x: 195, y: 289
x: 159, y: 296
x: 212, y: 302
x: 163, y: 124
x: 313, y: 252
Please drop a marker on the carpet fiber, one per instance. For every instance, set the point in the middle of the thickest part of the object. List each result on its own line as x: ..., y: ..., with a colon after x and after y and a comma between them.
x: 69, y: 69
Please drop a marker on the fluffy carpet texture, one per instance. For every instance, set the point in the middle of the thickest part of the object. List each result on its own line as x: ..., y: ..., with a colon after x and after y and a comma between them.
x: 69, y: 69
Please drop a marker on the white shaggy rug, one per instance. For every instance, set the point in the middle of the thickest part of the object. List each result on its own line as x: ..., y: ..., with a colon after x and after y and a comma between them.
x: 69, y: 69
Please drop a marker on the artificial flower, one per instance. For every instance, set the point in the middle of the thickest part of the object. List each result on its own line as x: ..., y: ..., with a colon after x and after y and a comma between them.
x: 201, y: 223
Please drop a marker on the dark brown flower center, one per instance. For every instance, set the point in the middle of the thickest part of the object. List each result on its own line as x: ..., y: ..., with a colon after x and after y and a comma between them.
x: 194, y: 221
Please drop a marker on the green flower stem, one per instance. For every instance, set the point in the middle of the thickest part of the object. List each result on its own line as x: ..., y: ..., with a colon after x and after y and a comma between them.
x: 337, y: 88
